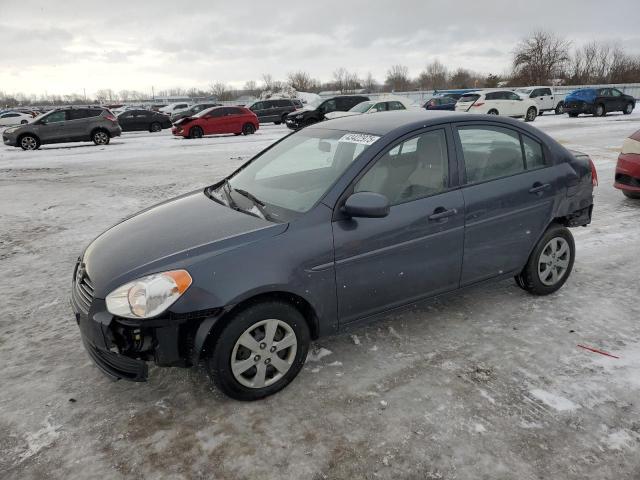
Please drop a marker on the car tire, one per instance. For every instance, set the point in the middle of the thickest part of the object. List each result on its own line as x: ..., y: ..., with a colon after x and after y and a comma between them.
x: 277, y: 123
x: 559, y: 110
x: 550, y: 263
x: 600, y: 110
x: 23, y: 122
x: 633, y: 195
x: 243, y: 363
x: 155, y: 127
x: 196, y: 132
x: 628, y: 108
x: 531, y: 114
x: 493, y: 111
x: 248, y: 129
x: 573, y: 115
x: 29, y: 142
x: 100, y: 137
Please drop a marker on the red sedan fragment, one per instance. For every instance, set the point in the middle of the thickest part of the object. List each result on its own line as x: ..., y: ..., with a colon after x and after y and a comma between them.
x: 628, y: 168
x: 217, y: 120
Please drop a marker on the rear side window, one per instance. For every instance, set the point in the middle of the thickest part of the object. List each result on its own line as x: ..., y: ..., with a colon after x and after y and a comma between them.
x: 283, y: 103
x: 532, y: 153
x: 490, y: 152
x: 78, y: 113
x: 233, y: 111
x: 396, y: 106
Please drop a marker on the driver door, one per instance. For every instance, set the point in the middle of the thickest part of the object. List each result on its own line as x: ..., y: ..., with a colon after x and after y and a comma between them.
x: 414, y: 252
x: 54, y: 128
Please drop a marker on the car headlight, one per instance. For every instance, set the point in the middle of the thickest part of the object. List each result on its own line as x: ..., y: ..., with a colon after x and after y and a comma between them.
x: 299, y: 117
x: 148, y: 296
x: 11, y: 129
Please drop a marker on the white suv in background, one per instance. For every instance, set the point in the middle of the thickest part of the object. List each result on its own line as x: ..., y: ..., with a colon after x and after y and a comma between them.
x: 498, y: 102
x: 545, y: 97
x: 173, y: 108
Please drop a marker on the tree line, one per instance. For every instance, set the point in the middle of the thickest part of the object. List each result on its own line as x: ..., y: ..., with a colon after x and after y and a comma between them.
x: 542, y: 58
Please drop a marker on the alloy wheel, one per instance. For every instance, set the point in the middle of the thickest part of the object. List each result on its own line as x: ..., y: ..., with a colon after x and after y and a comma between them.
x: 28, y: 143
x: 264, y: 353
x: 100, y: 138
x: 554, y: 261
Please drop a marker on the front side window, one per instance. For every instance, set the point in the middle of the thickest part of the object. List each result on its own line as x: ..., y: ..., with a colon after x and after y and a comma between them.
x: 328, y: 106
x: 414, y: 169
x: 490, y: 152
x: 512, y: 96
x: 615, y: 92
x: 397, y: 106
x: 295, y: 173
x: 55, y: 117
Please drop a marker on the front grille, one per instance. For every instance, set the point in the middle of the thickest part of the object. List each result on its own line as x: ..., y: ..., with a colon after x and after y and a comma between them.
x: 82, y: 289
x: 627, y: 180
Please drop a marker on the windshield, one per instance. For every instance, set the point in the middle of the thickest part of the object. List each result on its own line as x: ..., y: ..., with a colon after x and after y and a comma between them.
x: 586, y: 94
x: 362, y: 107
x: 293, y: 175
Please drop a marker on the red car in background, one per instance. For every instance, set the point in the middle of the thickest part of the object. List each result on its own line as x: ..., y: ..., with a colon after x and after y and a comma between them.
x: 628, y: 168
x: 217, y: 120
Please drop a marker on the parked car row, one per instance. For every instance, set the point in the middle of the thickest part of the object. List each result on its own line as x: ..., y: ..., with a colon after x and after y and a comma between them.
x: 598, y: 102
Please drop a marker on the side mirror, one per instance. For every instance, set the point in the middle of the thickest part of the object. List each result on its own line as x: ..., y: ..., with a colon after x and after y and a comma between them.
x: 366, y: 205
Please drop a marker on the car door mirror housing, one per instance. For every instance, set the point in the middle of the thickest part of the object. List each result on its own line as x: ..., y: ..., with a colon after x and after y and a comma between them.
x: 366, y: 205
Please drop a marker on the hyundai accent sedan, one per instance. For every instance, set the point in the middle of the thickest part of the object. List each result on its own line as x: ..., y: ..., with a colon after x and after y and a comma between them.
x: 337, y: 223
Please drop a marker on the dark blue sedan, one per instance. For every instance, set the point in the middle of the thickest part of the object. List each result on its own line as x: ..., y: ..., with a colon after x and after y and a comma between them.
x: 337, y: 223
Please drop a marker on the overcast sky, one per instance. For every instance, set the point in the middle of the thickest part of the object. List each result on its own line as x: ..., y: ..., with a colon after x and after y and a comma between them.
x: 63, y: 46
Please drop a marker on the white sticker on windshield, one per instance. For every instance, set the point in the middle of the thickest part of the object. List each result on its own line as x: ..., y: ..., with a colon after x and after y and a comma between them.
x: 361, y: 138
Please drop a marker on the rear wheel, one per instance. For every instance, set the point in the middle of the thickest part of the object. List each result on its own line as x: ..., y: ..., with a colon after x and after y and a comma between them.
x: 260, y: 351
x: 155, y: 127
x: 600, y: 110
x: 573, y: 115
x: 100, y: 137
x: 634, y: 195
x: 628, y: 108
x: 196, y: 132
x: 559, y: 108
x: 493, y: 111
x: 550, y: 263
x: 29, y: 142
x: 531, y: 114
x: 248, y: 129
x: 23, y: 122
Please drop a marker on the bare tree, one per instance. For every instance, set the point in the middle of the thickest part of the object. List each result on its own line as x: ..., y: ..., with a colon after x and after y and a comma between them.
x: 462, y: 78
x: 540, y: 57
x: 433, y: 77
x: 251, y: 87
x: 301, y: 81
x: 220, y: 91
x: 398, y: 78
x: 369, y: 83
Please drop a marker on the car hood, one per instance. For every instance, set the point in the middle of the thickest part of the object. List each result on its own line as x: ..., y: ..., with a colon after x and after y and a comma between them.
x: 301, y: 110
x: 167, y: 236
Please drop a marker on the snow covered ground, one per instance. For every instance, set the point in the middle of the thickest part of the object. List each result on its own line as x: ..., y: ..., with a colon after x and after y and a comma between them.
x: 487, y: 384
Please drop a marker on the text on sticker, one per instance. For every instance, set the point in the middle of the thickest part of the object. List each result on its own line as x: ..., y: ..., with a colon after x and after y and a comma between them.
x: 360, y: 138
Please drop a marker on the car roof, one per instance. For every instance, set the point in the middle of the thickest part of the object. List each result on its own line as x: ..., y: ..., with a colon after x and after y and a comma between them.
x: 409, y: 120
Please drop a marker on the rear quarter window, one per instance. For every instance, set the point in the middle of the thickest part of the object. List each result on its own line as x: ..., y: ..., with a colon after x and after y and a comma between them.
x: 472, y: 97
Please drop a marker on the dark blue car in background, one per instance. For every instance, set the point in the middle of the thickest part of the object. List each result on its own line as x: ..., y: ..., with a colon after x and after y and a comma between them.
x: 598, y: 102
x: 337, y: 223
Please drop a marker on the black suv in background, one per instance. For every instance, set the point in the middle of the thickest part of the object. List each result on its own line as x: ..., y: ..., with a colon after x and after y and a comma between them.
x: 146, y: 120
x: 315, y: 111
x: 68, y: 124
x: 273, y: 110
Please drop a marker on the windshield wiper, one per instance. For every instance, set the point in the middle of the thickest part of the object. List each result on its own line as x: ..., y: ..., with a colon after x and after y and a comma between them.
x: 256, y: 201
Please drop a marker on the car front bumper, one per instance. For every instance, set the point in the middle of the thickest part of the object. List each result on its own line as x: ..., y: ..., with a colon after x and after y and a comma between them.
x: 294, y: 124
x: 627, y: 176
x: 9, y: 140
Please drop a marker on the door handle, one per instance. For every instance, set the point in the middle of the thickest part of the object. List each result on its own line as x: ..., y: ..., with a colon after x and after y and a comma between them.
x: 539, y: 187
x: 440, y: 213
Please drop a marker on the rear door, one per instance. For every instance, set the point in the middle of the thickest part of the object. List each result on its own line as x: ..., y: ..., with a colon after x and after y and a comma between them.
x: 142, y: 119
x: 416, y: 250
x: 509, y: 189
x: 232, y: 120
x: 617, y: 99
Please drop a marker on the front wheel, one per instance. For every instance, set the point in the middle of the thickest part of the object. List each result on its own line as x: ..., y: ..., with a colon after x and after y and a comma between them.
x: 100, y: 137
x: 29, y: 142
x: 628, y: 108
x: 248, y: 129
x: 559, y: 109
x: 531, y: 115
x: 260, y: 351
x: 155, y: 127
x: 23, y: 122
x: 600, y: 111
x: 573, y: 115
x: 196, y: 132
x: 550, y: 263
x: 493, y: 111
